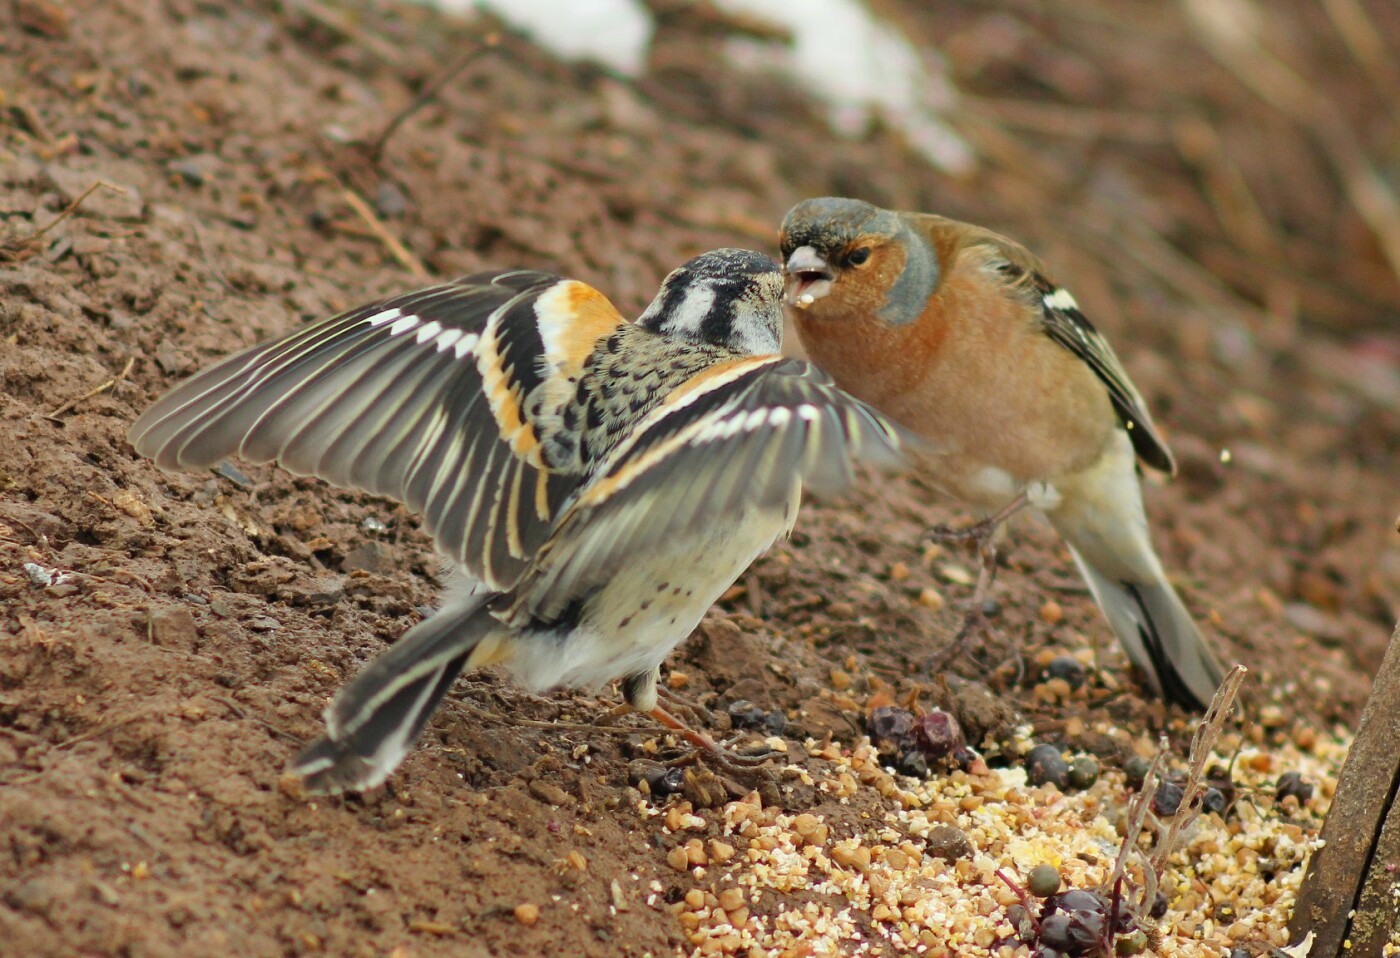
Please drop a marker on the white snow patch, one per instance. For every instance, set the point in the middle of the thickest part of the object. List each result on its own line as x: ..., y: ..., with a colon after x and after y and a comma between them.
x: 859, y: 65
x: 615, y: 33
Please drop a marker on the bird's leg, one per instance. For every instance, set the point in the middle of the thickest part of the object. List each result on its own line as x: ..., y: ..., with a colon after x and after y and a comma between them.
x: 983, y: 531
x: 983, y: 535
x: 640, y: 692
x: 708, y: 747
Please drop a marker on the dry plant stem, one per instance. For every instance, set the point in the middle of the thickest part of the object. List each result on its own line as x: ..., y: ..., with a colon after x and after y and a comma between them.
x: 1055, y: 119
x: 401, y: 253
x: 488, y: 43
x: 1364, y: 41
x: 1138, y: 810
x: 1020, y: 892
x: 1202, y: 744
x: 1229, y: 38
x: 109, y: 384
x: 67, y: 212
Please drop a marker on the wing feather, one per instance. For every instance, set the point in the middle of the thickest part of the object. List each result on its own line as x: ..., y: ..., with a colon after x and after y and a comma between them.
x: 1069, y: 327
x: 741, y: 440
x: 433, y: 398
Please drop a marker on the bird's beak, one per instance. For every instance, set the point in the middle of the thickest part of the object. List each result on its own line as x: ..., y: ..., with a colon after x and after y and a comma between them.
x: 808, y: 277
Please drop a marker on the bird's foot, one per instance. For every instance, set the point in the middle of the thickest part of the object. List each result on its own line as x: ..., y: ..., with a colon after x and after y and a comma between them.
x: 978, y: 533
x: 708, y: 750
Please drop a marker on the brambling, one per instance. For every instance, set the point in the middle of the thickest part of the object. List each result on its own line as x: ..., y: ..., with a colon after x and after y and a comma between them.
x: 596, y: 483
x: 956, y: 333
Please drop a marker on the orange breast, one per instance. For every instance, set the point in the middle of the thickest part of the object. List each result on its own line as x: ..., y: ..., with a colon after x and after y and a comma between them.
x: 976, y: 377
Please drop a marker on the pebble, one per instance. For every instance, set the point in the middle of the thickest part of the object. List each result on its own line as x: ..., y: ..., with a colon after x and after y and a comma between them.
x: 931, y: 599
x: 948, y: 843
x: 549, y: 793
x: 527, y: 914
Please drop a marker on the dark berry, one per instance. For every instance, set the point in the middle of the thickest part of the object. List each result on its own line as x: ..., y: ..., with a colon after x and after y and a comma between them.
x: 1214, y: 801
x: 745, y: 714
x: 1159, y: 905
x: 1086, y: 930
x: 913, y: 764
x: 1292, y: 783
x: 1068, y: 668
x: 889, y: 724
x: 1077, y: 900
x: 937, y: 734
x: 1043, y: 881
x: 1136, y: 769
x: 1054, y: 931
x: 1083, y: 771
x: 1046, y: 766
x: 1168, y: 799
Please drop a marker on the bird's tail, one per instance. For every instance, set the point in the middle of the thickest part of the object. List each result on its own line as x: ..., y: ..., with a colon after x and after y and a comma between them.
x: 1158, y: 634
x: 1101, y: 517
x: 374, y: 720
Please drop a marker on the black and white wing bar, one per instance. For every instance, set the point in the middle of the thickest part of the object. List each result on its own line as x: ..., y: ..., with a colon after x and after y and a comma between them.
x: 389, y: 398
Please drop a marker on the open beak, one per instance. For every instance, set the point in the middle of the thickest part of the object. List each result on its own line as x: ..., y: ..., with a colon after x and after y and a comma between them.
x: 808, y: 277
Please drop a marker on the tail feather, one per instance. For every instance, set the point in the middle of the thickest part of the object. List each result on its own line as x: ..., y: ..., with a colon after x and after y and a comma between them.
x: 369, y: 755
x: 374, y: 720
x: 1159, y: 635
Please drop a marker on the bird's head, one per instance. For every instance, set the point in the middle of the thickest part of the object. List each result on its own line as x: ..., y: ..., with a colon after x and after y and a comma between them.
x: 726, y: 297
x: 843, y: 256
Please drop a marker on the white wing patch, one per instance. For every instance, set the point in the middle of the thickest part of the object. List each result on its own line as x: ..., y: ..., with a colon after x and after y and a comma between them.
x: 1060, y: 299
x: 428, y: 331
x: 403, y: 324
x: 387, y: 316
x: 465, y: 345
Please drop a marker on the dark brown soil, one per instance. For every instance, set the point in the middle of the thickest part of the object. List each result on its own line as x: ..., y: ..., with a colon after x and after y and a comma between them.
x: 192, y: 627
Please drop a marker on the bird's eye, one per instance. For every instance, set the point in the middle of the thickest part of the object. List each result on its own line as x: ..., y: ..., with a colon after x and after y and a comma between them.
x: 858, y: 255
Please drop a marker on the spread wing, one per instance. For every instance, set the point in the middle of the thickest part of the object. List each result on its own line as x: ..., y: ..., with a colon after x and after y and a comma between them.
x: 1069, y: 327
x: 742, y: 434
x: 439, y: 398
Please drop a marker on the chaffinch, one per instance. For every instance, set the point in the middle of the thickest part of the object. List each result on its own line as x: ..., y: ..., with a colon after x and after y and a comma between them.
x: 596, y: 483
x: 958, y: 334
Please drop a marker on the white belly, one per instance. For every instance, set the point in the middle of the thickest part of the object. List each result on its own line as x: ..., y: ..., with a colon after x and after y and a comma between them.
x: 649, y: 606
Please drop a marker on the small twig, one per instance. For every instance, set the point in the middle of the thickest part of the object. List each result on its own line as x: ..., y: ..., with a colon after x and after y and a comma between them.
x: 1019, y: 892
x: 1202, y: 744
x: 381, y: 232
x: 40, y: 539
x: 488, y: 43
x: 1234, y: 43
x: 1136, y: 819
x: 109, y: 384
x: 240, y: 714
x: 73, y: 206
x: 29, y: 239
